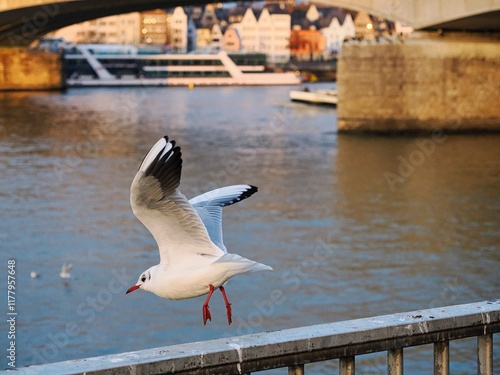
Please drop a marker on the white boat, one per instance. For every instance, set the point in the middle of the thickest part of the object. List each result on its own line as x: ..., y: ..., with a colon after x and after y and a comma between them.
x: 103, y: 65
x: 315, y: 97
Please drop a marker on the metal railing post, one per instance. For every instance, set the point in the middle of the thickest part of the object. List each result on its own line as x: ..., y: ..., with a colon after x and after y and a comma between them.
x: 296, y: 370
x: 442, y: 358
x: 485, y: 355
x: 347, y: 366
x: 395, y: 362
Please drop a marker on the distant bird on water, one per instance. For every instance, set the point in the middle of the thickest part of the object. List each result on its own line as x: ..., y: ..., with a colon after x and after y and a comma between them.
x: 193, y: 258
x: 65, y: 271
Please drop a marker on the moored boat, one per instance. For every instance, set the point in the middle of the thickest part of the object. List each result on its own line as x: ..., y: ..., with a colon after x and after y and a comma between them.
x: 329, y: 97
x: 98, y: 65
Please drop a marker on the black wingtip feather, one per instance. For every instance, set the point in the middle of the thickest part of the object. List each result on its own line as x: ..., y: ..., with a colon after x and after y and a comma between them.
x: 144, y: 158
x: 167, y: 168
x: 245, y: 194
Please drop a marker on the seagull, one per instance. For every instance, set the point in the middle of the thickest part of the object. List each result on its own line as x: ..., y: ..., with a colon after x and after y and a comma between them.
x: 65, y: 271
x: 193, y: 258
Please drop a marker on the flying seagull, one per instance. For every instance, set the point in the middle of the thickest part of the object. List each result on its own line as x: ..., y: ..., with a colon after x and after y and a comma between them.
x: 193, y: 258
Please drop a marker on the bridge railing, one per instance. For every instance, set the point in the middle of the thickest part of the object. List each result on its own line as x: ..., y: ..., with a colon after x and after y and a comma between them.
x: 292, y: 348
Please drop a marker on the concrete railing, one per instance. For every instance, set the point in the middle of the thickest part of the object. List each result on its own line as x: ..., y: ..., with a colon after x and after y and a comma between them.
x: 292, y: 348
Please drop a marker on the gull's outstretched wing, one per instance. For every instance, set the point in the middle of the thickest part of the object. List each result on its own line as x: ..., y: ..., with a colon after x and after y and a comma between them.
x: 209, y: 207
x: 164, y: 210
x: 66, y: 267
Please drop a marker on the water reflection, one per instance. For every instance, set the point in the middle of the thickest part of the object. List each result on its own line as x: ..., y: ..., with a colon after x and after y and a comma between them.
x: 344, y: 241
x: 438, y: 225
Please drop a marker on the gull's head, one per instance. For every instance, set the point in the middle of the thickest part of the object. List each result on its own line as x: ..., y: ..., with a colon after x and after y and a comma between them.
x: 144, y: 281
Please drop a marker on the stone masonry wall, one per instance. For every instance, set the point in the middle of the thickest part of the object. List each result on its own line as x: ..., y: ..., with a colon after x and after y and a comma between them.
x: 420, y: 85
x: 23, y: 69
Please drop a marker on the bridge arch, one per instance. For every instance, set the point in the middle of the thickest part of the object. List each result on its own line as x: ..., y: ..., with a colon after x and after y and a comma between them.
x: 463, y: 15
x: 20, y: 26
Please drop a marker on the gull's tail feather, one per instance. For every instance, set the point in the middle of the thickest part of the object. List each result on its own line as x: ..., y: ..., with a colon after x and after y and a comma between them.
x: 242, y: 265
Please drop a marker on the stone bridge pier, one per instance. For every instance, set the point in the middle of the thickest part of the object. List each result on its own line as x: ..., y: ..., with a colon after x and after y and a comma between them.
x: 25, y: 69
x: 432, y: 81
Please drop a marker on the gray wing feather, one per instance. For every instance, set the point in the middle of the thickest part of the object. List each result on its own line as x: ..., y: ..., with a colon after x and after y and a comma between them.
x: 212, y: 218
x: 209, y: 208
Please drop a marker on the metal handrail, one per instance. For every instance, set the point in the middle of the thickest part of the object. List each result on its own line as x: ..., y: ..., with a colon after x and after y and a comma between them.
x: 292, y: 348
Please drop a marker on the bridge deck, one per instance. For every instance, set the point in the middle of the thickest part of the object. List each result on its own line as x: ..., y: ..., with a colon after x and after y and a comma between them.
x: 24, y: 21
x: 293, y: 348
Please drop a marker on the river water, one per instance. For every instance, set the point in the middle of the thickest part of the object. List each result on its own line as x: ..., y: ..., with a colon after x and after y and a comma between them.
x: 354, y: 226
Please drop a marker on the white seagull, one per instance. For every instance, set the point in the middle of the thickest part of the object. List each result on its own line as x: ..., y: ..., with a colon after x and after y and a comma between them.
x: 65, y: 271
x: 193, y: 258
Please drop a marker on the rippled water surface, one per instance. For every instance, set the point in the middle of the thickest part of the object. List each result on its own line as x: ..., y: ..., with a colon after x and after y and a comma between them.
x: 354, y: 226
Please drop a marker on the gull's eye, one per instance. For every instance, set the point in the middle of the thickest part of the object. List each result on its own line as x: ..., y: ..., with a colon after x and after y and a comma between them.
x: 143, y: 278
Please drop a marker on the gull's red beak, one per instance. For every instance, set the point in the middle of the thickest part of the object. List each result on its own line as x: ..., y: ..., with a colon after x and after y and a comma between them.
x: 132, y: 288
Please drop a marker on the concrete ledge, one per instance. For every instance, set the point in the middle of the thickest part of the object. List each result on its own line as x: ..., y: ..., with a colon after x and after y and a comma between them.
x: 420, y: 85
x: 24, y: 69
x: 291, y: 347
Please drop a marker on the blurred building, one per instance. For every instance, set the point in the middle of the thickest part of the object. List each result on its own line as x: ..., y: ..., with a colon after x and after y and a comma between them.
x: 208, y: 29
x: 307, y: 45
x: 270, y: 34
x: 118, y: 29
x: 231, y: 40
x: 209, y: 17
x: 155, y: 27
x: 335, y: 34
x: 312, y: 13
x: 348, y: 27
x: 279, y: 29
x: 217, y: 37
x: 182, y: 32
x: 203, y: 37
x: 236, y: 14
x: 402, y: 30
x: 365, y: 28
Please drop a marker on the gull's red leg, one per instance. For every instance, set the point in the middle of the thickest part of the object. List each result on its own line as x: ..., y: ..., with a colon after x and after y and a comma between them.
x: 228, y: 305
x: 205, y: 310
